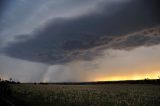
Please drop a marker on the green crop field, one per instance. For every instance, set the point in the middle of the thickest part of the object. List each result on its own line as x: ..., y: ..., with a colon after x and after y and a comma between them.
x: 86, y: 95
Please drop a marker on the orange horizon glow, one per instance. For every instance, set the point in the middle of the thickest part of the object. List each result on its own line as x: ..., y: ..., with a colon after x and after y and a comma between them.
x: 152, y: 75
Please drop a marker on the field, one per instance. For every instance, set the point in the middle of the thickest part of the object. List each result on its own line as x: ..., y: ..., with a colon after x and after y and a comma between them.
x: 86, y: 95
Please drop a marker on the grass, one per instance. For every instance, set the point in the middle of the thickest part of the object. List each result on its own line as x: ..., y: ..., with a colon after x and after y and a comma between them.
x: 86, y: 95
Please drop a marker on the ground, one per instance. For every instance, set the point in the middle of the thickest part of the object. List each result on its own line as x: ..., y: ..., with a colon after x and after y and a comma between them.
x: 86, y: 95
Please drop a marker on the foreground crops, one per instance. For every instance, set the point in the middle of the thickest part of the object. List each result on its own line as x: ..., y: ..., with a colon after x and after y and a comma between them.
x: 86, y: 95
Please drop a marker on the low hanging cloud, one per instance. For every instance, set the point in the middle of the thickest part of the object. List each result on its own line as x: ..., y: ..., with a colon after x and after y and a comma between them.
x: 148, y: 37
x: 83, y: 37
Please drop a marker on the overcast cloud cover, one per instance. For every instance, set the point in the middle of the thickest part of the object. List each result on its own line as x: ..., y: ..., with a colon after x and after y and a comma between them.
x: 67, y: 40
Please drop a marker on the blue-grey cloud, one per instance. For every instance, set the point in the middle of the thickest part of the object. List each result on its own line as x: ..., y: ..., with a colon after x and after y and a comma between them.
x: 64, y: 39
x: 21, y: 17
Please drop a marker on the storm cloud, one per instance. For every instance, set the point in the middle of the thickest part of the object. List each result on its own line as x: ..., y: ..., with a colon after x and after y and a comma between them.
x: 79, y: 40
x: 63, y: 39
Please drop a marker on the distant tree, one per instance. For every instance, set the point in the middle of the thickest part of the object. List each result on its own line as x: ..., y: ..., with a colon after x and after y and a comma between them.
x: 10, y: 79
x: 18, y: 82
x: 146, y: 79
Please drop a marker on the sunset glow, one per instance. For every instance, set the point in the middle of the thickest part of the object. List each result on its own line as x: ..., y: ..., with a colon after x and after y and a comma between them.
x: 154, y: 75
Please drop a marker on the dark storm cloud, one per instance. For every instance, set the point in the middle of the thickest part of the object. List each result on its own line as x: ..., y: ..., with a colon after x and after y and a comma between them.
x: 147, y: 37
x: 2, y: 5
x: 65, y: 39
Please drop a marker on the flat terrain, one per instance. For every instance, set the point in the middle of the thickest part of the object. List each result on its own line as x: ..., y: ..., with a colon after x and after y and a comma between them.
x: 86, y: 95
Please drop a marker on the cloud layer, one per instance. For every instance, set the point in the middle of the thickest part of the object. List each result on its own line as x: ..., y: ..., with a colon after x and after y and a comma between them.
x: 62, y: 40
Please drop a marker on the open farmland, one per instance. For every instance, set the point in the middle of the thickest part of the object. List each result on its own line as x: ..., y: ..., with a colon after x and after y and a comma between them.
x: 86, y: 95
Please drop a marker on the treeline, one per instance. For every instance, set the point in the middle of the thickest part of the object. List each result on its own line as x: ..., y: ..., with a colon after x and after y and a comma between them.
x: 10, y: 81
x: 5, y: 87
x: 145, y: 81
x: 6, y: 92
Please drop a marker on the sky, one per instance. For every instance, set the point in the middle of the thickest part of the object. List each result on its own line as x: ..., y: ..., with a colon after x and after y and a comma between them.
x: 79, y: 40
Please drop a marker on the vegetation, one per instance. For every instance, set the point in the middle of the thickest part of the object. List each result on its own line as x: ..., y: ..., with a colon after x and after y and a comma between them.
x: 86, y: 95
x: 118, y: 93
